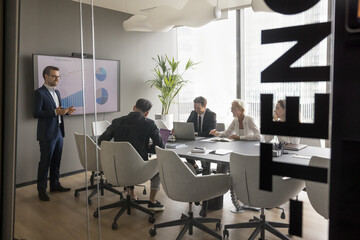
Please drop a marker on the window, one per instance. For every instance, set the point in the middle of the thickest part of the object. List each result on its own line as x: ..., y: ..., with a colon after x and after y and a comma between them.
x: 214, y: 46
x: 257, y: 57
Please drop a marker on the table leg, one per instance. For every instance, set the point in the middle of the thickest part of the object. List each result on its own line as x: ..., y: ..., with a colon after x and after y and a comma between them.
x: 206, y: 171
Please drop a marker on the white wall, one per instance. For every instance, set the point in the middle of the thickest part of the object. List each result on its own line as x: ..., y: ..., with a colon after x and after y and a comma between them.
x: 52, y: 27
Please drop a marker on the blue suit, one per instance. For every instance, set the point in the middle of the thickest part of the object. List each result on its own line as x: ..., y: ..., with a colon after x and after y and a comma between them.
x: 50, y: 136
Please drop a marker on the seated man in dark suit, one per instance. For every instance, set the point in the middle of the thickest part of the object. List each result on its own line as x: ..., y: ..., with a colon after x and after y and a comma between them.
x: 137, y: 129
x: 204, y: 121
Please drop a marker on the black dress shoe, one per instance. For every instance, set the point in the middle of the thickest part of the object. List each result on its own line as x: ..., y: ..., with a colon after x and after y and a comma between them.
x: 59, y: 188
x: 43, y: 196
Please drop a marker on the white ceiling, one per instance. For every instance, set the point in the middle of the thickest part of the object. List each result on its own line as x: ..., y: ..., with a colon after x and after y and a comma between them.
x: 163, y: 15
x: 142, y: 7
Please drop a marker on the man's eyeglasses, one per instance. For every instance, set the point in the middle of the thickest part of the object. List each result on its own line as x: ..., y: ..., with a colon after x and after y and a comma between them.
x: 56, y: 77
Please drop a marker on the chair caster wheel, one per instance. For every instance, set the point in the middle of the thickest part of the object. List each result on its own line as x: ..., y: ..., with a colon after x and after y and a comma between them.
x: 89, y: 202
x: 197, y: 203
x: 151, y: 219
x: 226, y: 233
x: 144, y: 191
x: 96, y: 214
x: 152, y: 232
x: 76, y: 194
x: 218, y: 227
x: 114, y: 226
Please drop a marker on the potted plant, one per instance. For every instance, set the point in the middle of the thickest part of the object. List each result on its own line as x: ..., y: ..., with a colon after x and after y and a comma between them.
x: 169, y: 82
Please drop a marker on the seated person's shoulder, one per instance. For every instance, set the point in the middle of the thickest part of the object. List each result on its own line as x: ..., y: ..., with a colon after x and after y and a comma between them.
x: 149, y: 122
x: 210, y: 112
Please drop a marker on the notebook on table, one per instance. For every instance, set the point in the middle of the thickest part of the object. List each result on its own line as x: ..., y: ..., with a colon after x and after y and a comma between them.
x: 221, y: 139
x: 294, y: 147
x: 185, y: 130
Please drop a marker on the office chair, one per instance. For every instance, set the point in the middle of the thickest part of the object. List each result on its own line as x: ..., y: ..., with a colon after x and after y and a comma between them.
x: 244, y: 172
x: 97, y: 129
x: 220, y: 127
x: 123, y: 166
x: 318, y: 193
x: 91, y: 166
x: 181, y: 184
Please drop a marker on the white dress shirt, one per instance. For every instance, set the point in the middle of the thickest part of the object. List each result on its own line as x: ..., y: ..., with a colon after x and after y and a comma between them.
x: 55, y: 97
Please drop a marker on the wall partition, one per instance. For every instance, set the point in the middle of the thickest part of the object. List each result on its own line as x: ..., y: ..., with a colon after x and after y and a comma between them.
x: 57, y: 29
x: 256, y: 57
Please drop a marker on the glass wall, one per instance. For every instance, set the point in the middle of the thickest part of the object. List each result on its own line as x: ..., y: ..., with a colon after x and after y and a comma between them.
x: 214, y: 47
x: 258, y: 56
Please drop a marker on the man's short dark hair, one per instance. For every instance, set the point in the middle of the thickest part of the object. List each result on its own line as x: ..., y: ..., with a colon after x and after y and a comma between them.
x: 48, y: 69
x: 143, y: 105
x: 201, y: 100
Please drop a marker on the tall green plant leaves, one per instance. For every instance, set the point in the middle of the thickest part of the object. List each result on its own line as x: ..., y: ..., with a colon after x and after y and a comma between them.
x: 167, y: 80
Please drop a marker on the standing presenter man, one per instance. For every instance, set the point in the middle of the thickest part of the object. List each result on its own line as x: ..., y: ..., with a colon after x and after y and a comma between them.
x: 50, y: 132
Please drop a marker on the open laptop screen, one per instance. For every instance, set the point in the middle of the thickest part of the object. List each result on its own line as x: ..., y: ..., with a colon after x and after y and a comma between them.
x: 164, y: 135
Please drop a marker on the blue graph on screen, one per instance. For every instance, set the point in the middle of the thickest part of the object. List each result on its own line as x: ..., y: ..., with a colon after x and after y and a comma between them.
x: 77, y: 82
x: 75, y: 100
x: 101, y: 96
x: 101, y: 74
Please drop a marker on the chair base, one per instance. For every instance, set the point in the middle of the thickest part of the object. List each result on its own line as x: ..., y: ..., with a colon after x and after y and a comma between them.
x: 189, y: 222
x: 102, y: 186
x: 260, y: 226
x: 126, y: 204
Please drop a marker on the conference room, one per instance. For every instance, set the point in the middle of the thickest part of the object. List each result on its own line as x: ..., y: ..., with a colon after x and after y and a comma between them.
x: 108, y: 56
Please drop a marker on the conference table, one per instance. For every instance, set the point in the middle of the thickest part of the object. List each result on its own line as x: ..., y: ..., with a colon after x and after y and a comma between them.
x: 301, y: 157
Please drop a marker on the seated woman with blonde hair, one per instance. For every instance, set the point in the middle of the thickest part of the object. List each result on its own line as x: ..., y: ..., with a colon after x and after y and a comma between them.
x: 280, y: 116
x: 243, y: 127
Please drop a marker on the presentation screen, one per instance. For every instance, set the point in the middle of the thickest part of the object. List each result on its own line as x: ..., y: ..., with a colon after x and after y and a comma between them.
x: 107, y: 74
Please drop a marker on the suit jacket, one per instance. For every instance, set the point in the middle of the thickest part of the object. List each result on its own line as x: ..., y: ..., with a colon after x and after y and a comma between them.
x: 135, y: 129
x: 44, y: 111
x: 209, y: 122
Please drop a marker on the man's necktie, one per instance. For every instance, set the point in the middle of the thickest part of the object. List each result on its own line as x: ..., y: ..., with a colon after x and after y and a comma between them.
x: 199, y: 128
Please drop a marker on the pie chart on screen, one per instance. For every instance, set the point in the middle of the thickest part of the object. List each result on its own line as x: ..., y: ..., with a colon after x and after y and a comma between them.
x: 101, y: 74
x: 101, y: 96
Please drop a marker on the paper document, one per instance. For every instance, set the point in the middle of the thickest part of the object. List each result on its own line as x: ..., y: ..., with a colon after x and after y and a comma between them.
x: 175, y: 145
x: 221, y: 151
x: 206, y: 151
x: 294, y: 147
x: 221, y: 139
x: 299, y: 156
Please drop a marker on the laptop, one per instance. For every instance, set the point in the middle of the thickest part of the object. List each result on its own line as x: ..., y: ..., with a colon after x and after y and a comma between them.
x: 164, y: 133
x: 185, y: 130
x: 160, y: 124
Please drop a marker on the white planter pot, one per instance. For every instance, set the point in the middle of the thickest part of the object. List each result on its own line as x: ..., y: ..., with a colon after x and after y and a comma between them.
x: 167, y: 119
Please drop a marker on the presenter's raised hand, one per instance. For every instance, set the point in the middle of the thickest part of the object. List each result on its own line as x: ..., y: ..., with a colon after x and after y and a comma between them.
x: 61, y: 111
x: 71, y: 110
